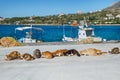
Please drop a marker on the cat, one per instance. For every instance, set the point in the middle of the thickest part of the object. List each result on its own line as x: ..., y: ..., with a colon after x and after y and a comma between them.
x: 60, y: 52
x: 47, y: 55
x: 13, y: 55
x: 36, y: 53
x: 90, y: 52
x: 114, y: 51
x: 28, y: 57
x: 71, y: 52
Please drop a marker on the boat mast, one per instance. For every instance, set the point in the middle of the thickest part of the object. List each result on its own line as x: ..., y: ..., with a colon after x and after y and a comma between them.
x: 85, y: 22
x: 61, y: 17
x: 31, y: 19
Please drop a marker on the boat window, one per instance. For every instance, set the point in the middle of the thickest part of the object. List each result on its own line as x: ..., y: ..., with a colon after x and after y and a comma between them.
x: 89, y: 32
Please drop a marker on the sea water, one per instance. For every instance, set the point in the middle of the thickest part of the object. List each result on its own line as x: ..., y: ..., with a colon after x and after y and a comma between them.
x: 55, y: 33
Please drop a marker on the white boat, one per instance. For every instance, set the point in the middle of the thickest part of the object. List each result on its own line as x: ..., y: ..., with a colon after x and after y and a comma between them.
x: 28, y: 38
x: 66, y: 39
x: 84, y: 32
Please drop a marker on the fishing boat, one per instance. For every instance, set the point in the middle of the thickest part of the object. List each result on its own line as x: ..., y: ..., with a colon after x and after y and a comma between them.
x: 28, y: 37
x: 84, y: 32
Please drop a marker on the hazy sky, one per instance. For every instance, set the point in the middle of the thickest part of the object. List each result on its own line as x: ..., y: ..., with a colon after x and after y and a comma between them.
x: 12, y: 8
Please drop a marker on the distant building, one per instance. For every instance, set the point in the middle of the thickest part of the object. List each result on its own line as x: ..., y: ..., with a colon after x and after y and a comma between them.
x: 98, y: 10
x: 91, y: 12
x: 105, y: 18
x: 80, y: 12
x: 118, y: 16
x: 108, y: 22
x: 31, y: 18
x: 1, y: 19
x: 61, y: 14
x: 109, y: 16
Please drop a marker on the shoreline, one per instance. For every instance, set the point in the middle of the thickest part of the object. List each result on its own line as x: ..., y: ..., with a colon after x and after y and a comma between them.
x: 107, y: 25
x: 61, y: 25
x: 69, y: 43
x: 35, y: 24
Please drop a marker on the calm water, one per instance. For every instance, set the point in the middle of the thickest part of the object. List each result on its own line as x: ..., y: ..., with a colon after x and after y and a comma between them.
x: 55, y: 33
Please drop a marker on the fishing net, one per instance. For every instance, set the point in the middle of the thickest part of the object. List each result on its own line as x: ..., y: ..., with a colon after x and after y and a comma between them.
x: 9, y: 42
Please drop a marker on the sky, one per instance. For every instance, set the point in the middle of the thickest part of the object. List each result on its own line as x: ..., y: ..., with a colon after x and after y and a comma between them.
x: 22, y: 8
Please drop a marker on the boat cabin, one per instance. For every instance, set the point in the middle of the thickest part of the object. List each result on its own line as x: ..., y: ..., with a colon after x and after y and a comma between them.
x: 85, y: 33
x: 28, y: 38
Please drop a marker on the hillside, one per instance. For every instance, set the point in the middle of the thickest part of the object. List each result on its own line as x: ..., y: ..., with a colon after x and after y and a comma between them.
x: 114, y: 7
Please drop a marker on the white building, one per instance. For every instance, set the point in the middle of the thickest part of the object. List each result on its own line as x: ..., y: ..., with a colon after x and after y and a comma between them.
x: 1, y: 18
x: 110, y: 16
x: 118, y: 16
x: 80, y: 12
